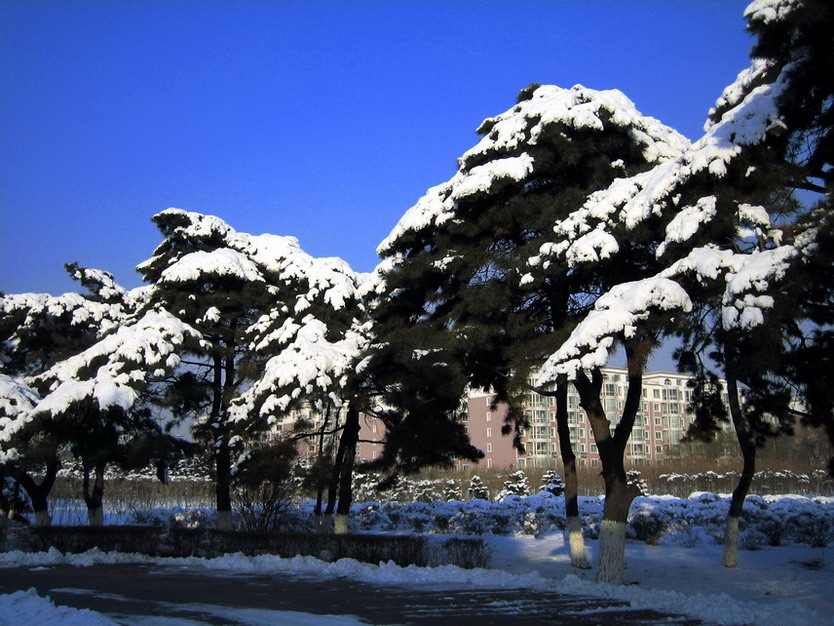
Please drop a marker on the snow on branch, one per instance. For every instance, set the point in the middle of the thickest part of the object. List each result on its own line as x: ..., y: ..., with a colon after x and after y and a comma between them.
x: 113, y: 370
x: 271, y: 259
x: 616, y: 315
x: 307, y: 366
x: 630, y: 201
x: 502, y: 153
x: 16, y: 402
x: 749, y: 279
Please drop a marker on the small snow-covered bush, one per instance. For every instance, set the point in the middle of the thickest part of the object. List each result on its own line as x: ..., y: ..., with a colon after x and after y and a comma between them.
x: 515, y: 485
x: 451, y: 491
x: 752, y: 539
x: 647, y: 525
x: 477, y: 490
x: 812, y: 528
x: 552, y: 483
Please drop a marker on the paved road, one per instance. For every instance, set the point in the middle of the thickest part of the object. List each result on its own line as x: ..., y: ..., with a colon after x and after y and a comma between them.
x: 128, y: 593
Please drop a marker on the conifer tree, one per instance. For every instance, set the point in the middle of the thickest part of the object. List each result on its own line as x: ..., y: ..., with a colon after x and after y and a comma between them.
x: 721, y: 240
x: 39, y: 332
x: 456, y: 270
x: 249, y: 297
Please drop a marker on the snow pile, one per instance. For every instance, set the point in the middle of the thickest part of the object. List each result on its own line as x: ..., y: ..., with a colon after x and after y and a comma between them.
x: 543, y: 565
x: 27, y: 607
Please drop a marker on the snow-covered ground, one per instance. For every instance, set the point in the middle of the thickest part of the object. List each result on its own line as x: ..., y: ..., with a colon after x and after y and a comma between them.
x: 789, y: 584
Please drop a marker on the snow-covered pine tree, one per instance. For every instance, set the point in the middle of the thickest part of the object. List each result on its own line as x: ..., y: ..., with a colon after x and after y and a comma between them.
x: 719, y: 249
x: 270, y: 316
x: 477, y: 490
x: 38, y: 332
x: 455, y: 270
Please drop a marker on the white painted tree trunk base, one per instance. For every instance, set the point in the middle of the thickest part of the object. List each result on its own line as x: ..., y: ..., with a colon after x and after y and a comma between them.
x: 731, y: 536
x: 95, y: 517
x: 578, y: 556
x: 224, y: 520
x: 340, y: 526
x: 43, y: 518
x: 611, y: 560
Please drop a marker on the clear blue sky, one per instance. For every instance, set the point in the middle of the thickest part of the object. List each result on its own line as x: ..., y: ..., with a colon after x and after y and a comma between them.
x: 323, y: 120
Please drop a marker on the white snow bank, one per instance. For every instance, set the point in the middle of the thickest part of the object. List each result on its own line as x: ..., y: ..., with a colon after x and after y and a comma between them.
x: 769, y: 590
x: 27, y: 607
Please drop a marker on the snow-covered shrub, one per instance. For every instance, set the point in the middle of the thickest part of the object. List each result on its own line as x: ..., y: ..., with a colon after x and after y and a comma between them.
x: 442, y: 521
x: 684, y: 534
x: 451, y: 491
x: 477, y: 490
x: 468, y: 522
x: 774, y: 528
x: 633, y: 477
x: 552, y: 483
x: 810, y: 527
x: 646, y: 524
x: 364, y: 485
x: 532, y: 524
x: 515, y: 485
x: 752, y: 539
x: 191, y: 519
x: 369, y: 516
x: 428, y: 491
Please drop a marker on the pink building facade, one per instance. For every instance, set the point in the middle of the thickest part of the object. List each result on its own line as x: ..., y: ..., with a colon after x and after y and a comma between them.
x: 659, y: 426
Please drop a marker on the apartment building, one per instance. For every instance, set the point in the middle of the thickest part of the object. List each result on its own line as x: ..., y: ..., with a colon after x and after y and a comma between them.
x: 659, y: 426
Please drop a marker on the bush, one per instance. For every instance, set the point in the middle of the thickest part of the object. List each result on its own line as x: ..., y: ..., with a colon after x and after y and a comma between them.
x: 403, y: 550
x: 466, y: 553
x: 647, y: 525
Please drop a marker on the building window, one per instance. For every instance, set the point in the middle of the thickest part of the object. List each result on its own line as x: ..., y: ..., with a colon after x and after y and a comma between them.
x: 489, y: 462
x: 658, y: 435
x: 489, y: 432
x: 594, y: 462
x: 489, y: 447
x: 489, y: 417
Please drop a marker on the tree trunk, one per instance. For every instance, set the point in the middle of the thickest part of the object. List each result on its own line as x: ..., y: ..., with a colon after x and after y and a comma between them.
x: 618, y: 493
x: 220, y: 440
x: 317, y: 511
x: 333, y: 486
x: 94, y: 494
x: 39, y: 492
x: 576, y: 542
x: 223, y: 484
x: 351, y: 436
x: 748, y: 455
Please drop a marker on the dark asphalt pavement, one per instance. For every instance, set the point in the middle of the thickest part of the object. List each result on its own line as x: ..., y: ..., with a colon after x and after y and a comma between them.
x: 147, y: 594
